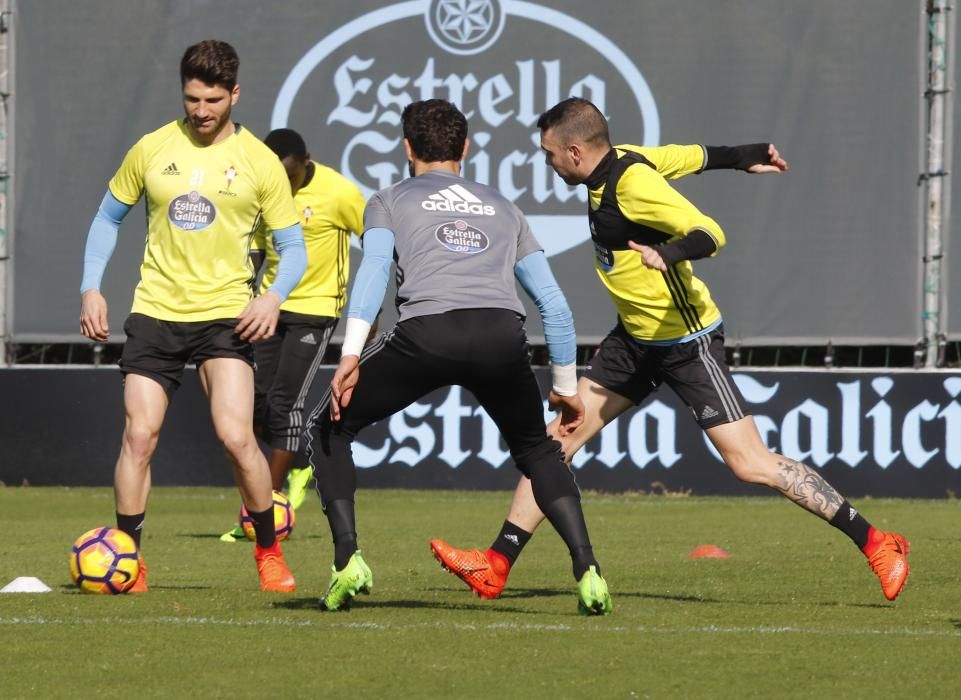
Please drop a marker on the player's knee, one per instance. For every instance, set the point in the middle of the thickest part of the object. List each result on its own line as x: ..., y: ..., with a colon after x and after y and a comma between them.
x: 140, y: 439
x: 236, y: 441
x: 750, y: 466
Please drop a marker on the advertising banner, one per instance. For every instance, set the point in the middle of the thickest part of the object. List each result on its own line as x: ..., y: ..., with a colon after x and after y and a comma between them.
x: 868, y: 434
x: 825, y: 252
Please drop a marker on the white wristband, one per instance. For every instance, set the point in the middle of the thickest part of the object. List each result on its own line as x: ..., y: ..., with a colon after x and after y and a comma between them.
x: 355, y: 336
x: 565, y: 379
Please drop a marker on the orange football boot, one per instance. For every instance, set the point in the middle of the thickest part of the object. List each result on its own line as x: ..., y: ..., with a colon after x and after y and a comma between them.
x: 485, y: 572
x: 887, y: 554
x: 274, y: 574
x: 140, y: 585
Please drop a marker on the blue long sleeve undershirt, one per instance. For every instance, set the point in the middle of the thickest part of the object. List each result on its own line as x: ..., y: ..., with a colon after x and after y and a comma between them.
x: 535, y: 275
x: 101, y: 240
x: 289, y: 243
x: 370, y: 284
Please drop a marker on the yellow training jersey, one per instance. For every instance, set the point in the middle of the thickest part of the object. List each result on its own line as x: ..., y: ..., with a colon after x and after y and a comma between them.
x: 630, y: 199
x: 203, y: 205
x: 330, y: 208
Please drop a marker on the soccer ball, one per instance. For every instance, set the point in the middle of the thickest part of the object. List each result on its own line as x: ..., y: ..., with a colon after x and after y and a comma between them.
x: 104, y: 560
x: 283, y: 518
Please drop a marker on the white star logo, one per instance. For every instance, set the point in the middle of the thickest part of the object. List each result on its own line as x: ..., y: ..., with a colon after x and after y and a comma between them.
x: 464, y: 21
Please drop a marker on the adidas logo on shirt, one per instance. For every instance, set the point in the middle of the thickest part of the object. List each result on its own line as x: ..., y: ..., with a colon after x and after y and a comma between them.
x: 170, y: 170
x: 457, y: 198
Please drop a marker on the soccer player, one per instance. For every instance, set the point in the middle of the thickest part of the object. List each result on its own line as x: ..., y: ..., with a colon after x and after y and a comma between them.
x: 330, y: 208
x: 458, y: 246
x: 207, y: 182
x: 669, y: 330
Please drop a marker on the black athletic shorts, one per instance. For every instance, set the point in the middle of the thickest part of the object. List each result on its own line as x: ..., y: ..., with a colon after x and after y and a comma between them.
x: 287, y: 363
x: 696, y: 370
x: 483, y: 350
x: 161, y: 349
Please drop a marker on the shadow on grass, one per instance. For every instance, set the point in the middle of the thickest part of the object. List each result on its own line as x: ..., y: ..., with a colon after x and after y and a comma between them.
x: 215, y: 536
x: 364, y: 603
x: 734, y: 601
x: 67, y: 588
x: 520, y: 593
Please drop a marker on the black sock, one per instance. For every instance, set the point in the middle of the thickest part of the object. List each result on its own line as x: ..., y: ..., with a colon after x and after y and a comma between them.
x: 264, y: 526
x: 132, y: 525
x: 850, y: 522
x: 510, y: 541
x: 566, y: 516
x: 340, y: 517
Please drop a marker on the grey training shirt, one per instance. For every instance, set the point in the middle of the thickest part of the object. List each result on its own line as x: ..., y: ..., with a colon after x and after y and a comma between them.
x: 455, y: 243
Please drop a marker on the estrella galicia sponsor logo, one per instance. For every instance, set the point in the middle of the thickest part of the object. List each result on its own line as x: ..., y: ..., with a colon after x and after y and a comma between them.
x: 498, y: 61
x: 459, y: 199
x: 461, y: 237
x: 895, y: 432
x: 191, y: 211
x: 605, y: 257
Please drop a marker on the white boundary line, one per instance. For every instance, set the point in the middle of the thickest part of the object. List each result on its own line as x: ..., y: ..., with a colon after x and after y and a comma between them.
x: 509, y: 626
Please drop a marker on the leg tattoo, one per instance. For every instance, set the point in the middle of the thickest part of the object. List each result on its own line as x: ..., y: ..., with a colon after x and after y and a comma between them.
x: 805, y: 487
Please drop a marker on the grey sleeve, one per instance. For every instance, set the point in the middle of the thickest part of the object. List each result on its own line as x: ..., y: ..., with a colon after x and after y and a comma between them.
x: 376, y: 214
x: 526, y: 243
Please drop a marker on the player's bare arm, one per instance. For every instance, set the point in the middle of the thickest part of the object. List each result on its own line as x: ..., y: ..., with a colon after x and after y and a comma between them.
x: 93, y: 316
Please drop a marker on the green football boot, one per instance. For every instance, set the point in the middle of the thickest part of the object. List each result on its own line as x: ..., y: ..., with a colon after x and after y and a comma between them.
x: 297, y: 482
x: 592, y: 595
x: 233, y: 535
x: 345, y: 584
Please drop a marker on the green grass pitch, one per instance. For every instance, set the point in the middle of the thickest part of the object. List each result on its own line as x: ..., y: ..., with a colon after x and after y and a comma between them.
x: 794, y: 612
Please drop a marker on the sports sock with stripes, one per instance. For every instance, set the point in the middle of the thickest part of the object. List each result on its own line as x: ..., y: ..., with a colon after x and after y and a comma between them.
x: 132, y: 525
x: 510, y: 541
x: 850, y: 522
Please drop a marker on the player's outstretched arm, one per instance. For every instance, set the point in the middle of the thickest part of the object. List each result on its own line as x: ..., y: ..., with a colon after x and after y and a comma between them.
x: 757, y: 158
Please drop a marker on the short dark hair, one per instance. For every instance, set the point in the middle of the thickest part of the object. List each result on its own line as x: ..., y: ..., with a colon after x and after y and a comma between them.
x: 576, y: 120
x: 436, y: 130
x: 212, y: 62
x: 286, y: 142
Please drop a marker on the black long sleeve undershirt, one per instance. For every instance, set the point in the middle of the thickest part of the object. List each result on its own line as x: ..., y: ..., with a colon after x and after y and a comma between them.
x: 694, y: 246
x: 736, y: 157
